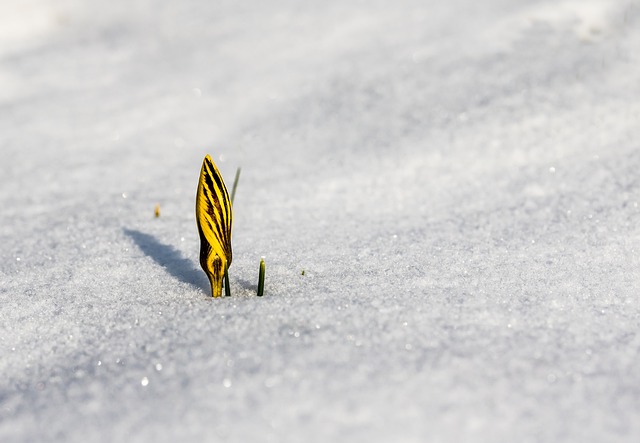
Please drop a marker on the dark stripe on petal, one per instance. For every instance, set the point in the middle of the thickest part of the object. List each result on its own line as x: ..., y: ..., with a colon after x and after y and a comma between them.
x: 216, y: 204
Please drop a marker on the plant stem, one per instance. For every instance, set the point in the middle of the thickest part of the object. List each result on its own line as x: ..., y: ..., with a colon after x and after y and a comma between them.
x: 261, y: 278
x: 227, y: 287
x: 235, y: 185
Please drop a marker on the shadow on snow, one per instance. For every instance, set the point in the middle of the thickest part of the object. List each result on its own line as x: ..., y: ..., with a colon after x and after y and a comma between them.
x: 170, y: 259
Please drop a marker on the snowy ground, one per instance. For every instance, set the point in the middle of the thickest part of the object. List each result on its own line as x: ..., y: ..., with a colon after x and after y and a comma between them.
x: 459, y: 181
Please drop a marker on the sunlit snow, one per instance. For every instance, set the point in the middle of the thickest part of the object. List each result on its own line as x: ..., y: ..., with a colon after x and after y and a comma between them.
x: 445, y: 193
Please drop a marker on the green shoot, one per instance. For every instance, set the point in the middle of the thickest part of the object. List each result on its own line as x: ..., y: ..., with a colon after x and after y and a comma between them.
x: 235, y: 185
x: 261, y: 278
x: 227, y: 287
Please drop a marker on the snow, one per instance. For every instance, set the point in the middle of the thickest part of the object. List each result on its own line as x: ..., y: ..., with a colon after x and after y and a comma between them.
x: 458, y: 181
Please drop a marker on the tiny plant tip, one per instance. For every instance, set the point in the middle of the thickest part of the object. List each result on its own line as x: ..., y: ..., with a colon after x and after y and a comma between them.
x: 227, y: 286
x: 235, y: 185
x: 261, y: 278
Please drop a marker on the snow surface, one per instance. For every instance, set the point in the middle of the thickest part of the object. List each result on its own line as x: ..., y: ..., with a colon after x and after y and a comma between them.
x: 458, y: 180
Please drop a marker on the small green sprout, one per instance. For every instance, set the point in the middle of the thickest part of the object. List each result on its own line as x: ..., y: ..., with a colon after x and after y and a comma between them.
x: 235, y: 185
x: 261, y: 278
x: 227, y: 286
